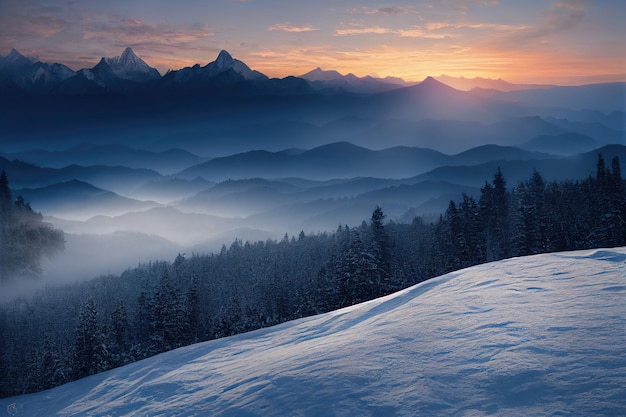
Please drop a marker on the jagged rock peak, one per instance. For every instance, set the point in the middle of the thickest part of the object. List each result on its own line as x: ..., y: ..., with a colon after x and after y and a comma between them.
x: 130, y: 66
x: 224, y: 60
x: 15, y: 53
x: 129, y: 57
x: 17, y: 58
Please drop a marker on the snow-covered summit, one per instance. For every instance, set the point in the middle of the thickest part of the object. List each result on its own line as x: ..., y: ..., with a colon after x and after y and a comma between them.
x: 50, y: 73
x: 225, y: 62
x: 129, y: 66
x: 540, y: 335
x: 15, y: 59
x: 224, y: 70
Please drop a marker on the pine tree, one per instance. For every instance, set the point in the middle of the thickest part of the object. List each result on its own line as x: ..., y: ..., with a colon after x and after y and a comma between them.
x: 609, y: 224
x: 356, y: 280
x: 53, y: 371
x: 90, y: 353
x: 195, y: 332
x: 166, y: 317
x: 380, y: 251
x: 530, y: 235
x: 494, y: 218
x: 474, y: 249
x: 119, y: 336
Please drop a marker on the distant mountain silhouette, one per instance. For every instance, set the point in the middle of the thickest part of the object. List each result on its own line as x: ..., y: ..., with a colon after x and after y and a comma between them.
x: 572, y: 167
x: 563, y: 144
x: 169, y: 161
x: 606, y: 97
x: 336, y: 160
x: 79, y: 200
x: 483, y: 153
x: 333, y: 81
x: 432, y: 99
x: 345, y: 160
x: 466, y: 84
x: 171, y: 189
x: 168, y: 222
x: 118, y: 179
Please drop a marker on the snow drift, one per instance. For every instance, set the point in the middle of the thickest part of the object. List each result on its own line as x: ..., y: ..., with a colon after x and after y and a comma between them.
x: 540, y: 335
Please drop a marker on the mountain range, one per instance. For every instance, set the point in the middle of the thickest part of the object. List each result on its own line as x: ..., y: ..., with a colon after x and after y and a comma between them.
x: 466, y: 84
x: 80, y: 200
x: 87, y: 154
x: 225, y: 107
x: 307, y: 200
x: 344, y: 160
x: 128, y: 73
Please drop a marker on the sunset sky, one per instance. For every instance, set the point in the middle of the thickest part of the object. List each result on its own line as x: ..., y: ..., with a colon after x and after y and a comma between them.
x: 547, y: 41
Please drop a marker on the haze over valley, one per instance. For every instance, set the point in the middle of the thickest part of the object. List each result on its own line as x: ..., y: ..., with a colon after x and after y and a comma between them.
x: 201, y: 156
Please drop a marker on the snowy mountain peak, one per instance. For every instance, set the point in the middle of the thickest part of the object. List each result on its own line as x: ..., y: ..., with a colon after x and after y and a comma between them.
x: 224, y: 60
x: 14, y: 54
x: 129, y: 66
x: 14, y: 58
x: 129, y: 58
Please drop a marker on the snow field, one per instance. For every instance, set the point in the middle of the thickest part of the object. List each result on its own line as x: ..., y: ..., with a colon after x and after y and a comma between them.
x: 539, y: 335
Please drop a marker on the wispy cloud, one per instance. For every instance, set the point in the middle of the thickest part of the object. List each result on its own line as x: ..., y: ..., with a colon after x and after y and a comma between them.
x: 288, y: 27
x: 418, y: 32
x: 136, y: 32
x: 561, y: 16
x: 413, y: 32
x: 435, y: 26
x: 364, y: 31
x: 387, y: 11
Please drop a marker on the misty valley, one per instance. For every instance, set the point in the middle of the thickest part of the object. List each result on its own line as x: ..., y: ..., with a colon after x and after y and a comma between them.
x: 142, y: 213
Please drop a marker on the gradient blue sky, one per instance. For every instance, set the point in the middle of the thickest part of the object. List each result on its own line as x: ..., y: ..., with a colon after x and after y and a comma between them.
x: 552, y: 41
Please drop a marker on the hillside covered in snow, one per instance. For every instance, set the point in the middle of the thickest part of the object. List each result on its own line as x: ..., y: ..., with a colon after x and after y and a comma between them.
x: 539, y: 335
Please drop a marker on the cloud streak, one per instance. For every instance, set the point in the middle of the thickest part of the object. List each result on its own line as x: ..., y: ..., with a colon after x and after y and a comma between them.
x: 386, y: 11
x: 376, y: 30
x: 288, y: 27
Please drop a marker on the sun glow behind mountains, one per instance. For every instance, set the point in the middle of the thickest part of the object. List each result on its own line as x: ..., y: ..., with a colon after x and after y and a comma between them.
x: 558, y: 42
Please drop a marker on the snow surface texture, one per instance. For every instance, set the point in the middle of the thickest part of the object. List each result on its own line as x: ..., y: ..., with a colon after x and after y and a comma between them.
x: 540, y: 335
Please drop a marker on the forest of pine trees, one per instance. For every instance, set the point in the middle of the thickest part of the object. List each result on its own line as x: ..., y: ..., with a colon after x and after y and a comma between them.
x: 65, y: 333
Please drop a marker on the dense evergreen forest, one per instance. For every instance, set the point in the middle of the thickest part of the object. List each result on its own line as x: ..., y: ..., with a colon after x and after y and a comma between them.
x: 65, y: 333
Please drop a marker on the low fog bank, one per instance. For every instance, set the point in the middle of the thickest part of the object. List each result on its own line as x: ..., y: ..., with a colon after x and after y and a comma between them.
x: 87, y: 256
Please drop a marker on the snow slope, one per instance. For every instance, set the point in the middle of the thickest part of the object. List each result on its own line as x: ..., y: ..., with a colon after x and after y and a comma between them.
x: 540, y: 335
